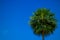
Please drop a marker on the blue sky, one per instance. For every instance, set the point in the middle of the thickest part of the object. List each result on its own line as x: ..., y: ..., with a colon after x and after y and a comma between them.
x: 15, y: 14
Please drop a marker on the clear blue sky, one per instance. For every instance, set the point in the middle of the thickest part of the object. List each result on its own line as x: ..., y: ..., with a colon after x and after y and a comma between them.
x: 15, y: 14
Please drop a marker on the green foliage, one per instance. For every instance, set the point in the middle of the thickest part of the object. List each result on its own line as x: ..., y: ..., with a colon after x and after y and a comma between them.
x: 43, y: 19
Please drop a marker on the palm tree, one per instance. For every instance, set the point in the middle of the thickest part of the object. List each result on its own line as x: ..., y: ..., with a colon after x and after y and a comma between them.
x: 43, y: 22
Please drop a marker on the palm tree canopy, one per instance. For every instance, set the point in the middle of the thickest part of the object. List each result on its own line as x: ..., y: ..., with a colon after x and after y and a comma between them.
x: 43, y: 20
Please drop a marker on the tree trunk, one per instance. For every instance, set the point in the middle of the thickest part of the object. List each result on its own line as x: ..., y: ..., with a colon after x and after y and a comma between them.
x: 42, y: 35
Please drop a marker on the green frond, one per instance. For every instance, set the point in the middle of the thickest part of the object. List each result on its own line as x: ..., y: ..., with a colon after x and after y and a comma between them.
x: 48, y: 23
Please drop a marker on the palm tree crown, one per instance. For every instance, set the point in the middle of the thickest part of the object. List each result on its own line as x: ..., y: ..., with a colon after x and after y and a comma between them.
x: 43, y: 22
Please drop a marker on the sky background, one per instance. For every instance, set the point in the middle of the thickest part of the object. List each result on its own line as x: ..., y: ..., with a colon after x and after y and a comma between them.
x: 15, y: 15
